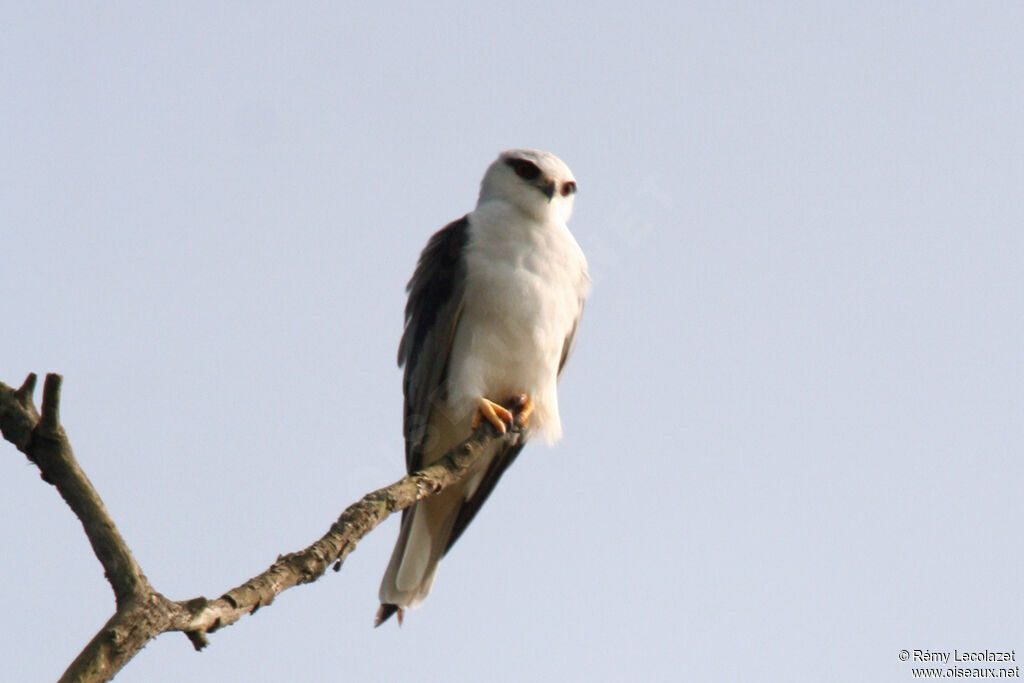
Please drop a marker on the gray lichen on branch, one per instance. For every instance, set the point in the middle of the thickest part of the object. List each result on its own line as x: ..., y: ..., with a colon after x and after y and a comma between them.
x: 142, y: 612
x: 356, y: 521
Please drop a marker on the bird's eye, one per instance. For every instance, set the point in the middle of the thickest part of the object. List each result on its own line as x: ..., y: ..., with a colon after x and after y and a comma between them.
x: 527, y: 170
x: 568, y: 188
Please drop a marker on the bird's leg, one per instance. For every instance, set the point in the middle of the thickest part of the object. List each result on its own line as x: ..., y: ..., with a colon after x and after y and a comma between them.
x: 525, y: 405
x: 497, y: 415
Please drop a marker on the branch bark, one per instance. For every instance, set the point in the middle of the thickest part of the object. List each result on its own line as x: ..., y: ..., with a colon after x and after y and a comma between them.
x: 142, y: 613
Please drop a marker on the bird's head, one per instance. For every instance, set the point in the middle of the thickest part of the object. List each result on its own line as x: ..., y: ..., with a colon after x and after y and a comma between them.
x: 536, y: 182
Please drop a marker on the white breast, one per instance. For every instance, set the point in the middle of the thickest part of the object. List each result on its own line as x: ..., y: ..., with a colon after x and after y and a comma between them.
x: 525, y: 284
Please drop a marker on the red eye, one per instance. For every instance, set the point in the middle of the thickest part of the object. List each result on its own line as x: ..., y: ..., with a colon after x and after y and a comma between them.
x: 568, y: 188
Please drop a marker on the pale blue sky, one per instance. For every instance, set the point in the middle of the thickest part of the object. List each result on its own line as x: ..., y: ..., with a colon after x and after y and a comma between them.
x: 793, y: 421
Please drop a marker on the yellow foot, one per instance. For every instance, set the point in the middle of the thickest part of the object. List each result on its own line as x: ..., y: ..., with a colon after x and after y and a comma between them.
x: 497, y: 415
x: 525, y: 405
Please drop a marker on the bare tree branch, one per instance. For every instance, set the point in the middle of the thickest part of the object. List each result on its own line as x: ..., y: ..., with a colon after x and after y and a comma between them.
x: 142, y: 612
x: 48, y: 447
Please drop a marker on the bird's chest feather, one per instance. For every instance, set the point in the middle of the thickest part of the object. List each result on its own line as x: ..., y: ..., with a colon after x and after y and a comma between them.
x: 523, y: 292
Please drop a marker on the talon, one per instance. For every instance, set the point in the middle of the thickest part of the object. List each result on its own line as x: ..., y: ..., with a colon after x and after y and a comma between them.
x: 525, y: 404
x: 497, y: 415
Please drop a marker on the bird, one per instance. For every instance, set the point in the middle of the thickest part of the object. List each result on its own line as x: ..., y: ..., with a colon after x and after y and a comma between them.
x: 493, y: 308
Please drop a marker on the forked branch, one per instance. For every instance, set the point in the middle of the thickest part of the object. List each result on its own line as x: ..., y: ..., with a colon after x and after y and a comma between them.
x: 143, y: 613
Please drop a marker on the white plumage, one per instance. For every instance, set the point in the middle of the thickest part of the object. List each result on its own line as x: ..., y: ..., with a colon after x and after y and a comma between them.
x: 525, y: 282
x: 493, y: 310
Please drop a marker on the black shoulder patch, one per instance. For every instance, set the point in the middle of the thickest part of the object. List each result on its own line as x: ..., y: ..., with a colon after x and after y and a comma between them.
x: 437, y: 273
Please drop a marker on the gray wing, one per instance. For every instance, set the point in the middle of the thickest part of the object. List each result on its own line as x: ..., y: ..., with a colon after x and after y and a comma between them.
x: 431, y: 315
x: 570, y: 340
x: 502, y: 459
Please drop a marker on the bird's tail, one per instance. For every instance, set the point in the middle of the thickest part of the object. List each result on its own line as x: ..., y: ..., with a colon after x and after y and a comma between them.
x: 421, y: 544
